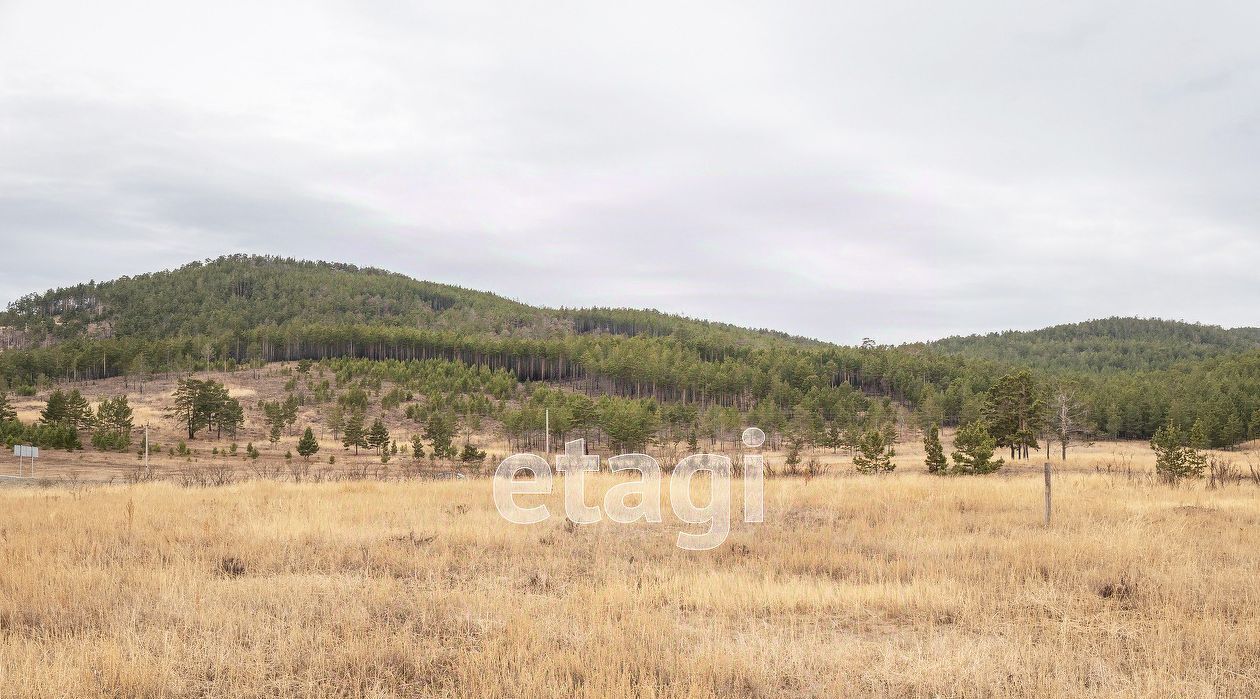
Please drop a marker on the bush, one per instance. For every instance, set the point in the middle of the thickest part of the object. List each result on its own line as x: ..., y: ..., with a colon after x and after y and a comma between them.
x: 394, y: 397
x: 44, y: 436
x: 1176, y: 453
x: 814, y: 468
x: 472, y: 455
x: 793, y: 461
x: 109, y: 440
x: 354, y: 398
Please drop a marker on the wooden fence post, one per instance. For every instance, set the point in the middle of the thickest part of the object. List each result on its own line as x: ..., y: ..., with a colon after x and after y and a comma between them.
x: 1047, y: 493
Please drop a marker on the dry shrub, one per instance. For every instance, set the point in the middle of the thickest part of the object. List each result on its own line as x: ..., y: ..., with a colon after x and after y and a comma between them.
x: 815, y: 468
x: 232, y: 566
x: 1121, y: 589
x: 1222, y: 472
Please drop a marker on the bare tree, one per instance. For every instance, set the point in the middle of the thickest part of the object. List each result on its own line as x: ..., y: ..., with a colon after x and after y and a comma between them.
x: 1069, y: 418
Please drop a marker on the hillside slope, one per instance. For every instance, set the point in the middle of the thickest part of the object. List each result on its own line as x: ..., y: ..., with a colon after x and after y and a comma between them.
x: 1104, y: 345
x: 1133, y: 375
x: 241, y: 293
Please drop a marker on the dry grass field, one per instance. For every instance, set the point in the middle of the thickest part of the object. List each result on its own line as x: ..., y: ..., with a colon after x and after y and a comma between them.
x: 902, y: 585
x: 905, y: 585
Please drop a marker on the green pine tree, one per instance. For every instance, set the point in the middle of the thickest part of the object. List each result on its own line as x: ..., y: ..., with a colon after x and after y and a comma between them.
x: 874, y: 452
x: 78, y: 412
x: 307, y: 445
x: 792, y: 461
x: 1176, y: 457
x: 1198, y: 438
x: 472, y: 455
x: 113, y: 425
x: 1233, y: 432
x: 973, y: 450
x: 54, y: 411
x: 231, y: 417
x: 205, y: 403
x: 935, y: 459
x: 378, y: 436
x: 353, y: 434
x: 335, y: 420
x: 1014, y: 412
x: 439, y: 430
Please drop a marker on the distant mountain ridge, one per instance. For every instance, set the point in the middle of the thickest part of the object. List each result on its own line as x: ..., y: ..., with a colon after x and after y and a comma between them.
x: 243, y: 292
x: 1134, y: 374
x: 1104, y: 345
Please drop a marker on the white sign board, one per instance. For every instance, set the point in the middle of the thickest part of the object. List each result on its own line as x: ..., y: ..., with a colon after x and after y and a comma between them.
x: 20, y: 451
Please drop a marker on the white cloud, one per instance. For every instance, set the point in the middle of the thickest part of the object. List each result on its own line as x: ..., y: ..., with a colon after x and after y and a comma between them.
x: 899, y: 171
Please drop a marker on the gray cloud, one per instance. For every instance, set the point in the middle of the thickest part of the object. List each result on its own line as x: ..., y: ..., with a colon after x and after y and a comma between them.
x: 902, y: 171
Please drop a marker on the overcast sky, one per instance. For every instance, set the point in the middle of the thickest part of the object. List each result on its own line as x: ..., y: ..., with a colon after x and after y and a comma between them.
x: 895, y: 170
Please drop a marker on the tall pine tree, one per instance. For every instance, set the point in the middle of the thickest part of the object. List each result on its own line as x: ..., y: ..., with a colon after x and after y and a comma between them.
x: 1013, y: 410
x: 378, y: 436
x: 935, y: 451
x: 353, y: 434
x: 7, y: 413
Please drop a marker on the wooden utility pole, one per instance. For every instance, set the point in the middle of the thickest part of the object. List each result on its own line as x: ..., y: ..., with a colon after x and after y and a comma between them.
x: 1047, y: 471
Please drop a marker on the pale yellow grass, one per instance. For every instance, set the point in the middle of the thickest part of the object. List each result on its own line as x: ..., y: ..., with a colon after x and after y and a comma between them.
x: 907, y: 585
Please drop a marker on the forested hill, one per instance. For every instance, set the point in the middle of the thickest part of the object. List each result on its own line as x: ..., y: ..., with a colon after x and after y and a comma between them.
x: 237, y: 294
x: 1106, y: 345
x: 1130, y: 376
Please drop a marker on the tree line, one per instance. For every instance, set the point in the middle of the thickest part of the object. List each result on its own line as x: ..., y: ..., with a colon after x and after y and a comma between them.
x: 242, y: 312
